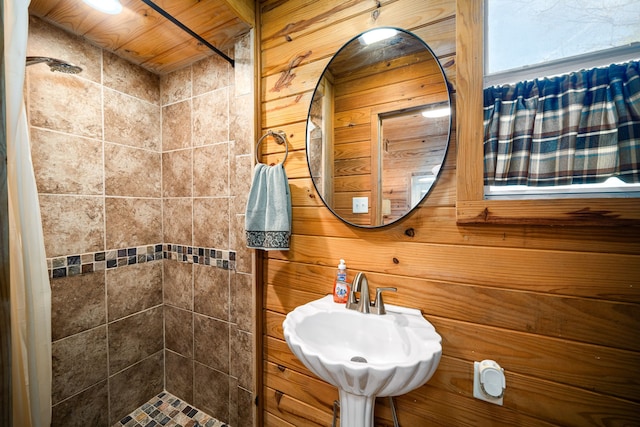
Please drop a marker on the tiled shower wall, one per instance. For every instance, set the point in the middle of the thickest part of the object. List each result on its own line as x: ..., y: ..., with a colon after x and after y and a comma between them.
x: 141, y: 180
x: 207, y: 114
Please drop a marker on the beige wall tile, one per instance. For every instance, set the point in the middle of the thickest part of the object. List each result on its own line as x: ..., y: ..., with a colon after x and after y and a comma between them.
x: 242, y: 310
x: 244, y: 406
x: 177, y: 173
x: 50, y: 41
x: 210, y: 74
x: 211, y: 342
x: 211, y: 222
x: 78, y: 362
x: 86, y: 408
x: 134, y: 386
x: 132, y: 222
x: 211, y: 291
x: 212, y: 392
x: 178, y: 330
x: 176, y: 86
x: 211, y: 117
x: 66, y: 164
x: 241, y: 175
x: 72, y: 224
x: 77, y: 304
x: 176, y: 126
x: 177, y: 220
x: 131, y: 171
x: 64, y: 102
x: 241, y: 124
x: 128, y: 78
x: 131, y: 121
x: 133, y: 288
x: 179, y: 372
x: 233, y: 401
x: 134, y: 338
x: 178, y: 284
x: 211, y: 170
x: 238, y: 241
x: 241, y: 362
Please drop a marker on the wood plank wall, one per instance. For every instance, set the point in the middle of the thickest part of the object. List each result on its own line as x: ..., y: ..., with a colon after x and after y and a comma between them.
x: 557, y: 307
x: 359, y: 99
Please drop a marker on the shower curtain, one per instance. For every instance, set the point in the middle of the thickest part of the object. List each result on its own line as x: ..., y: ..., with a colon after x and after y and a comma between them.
x: 29, y: 283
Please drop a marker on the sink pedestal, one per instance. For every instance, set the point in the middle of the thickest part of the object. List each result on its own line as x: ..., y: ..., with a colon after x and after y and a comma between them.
x: 356, y: 410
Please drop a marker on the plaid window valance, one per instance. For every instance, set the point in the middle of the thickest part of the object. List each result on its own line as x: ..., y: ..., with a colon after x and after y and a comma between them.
x: 579, y: 128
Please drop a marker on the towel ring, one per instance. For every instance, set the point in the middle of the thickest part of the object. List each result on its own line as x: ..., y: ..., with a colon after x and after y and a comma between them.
x: 278, y: 135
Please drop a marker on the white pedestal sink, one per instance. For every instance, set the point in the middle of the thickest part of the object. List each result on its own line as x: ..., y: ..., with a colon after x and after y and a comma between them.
x: 364, y: 355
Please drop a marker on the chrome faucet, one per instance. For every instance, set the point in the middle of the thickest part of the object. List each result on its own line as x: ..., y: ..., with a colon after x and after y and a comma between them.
x: 363, y: 304
x: 361, y: 285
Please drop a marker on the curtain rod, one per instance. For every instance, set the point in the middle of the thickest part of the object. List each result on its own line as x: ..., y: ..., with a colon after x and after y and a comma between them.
x: 188, y: 30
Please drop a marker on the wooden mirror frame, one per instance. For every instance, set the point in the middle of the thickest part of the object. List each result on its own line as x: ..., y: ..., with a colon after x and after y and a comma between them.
x: 471, y: 205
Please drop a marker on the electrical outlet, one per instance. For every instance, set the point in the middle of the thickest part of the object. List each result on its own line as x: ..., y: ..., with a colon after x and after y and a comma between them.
x: 488, y: 382
x: 360, y: 205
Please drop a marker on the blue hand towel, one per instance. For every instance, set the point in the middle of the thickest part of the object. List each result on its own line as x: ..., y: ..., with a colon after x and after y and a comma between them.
x: 268, y: 214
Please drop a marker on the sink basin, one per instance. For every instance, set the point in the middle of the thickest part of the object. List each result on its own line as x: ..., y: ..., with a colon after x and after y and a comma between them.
x: 364, y: 355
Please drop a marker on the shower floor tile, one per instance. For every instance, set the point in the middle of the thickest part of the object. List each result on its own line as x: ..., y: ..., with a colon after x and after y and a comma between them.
x: 166, y: 410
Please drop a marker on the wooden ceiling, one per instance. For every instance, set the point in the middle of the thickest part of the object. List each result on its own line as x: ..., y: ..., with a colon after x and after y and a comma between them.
x: 146, y: 38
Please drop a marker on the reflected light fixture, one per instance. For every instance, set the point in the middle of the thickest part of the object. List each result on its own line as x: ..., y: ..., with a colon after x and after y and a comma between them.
x: 436, y: 112
x: 377, y: 35
x: 112, y: 7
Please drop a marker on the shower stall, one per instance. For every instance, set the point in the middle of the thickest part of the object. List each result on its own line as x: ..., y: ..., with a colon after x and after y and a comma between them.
x: 141, y: 182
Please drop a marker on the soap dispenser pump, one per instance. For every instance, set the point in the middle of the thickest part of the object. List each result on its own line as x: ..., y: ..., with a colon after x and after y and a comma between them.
x: 340, y: 285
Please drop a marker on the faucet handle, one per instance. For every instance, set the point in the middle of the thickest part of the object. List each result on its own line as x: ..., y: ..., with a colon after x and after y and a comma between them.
x: 378, y: 305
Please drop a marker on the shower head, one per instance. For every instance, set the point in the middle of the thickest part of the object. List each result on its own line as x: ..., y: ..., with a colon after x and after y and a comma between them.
x: 54, y: 64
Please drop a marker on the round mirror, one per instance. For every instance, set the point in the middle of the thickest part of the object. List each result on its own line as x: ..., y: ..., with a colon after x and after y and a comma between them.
x: 378, y: 127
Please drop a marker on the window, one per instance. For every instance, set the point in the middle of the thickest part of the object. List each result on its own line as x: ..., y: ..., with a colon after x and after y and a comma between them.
x: 471, y: 205
x: 549, y: 133
x: 527, y: 39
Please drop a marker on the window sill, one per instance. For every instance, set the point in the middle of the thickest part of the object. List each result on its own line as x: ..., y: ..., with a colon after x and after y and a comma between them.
x: 573, y: 212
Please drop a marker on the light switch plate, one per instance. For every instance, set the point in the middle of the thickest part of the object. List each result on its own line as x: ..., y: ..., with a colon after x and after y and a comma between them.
x: 360, y: 205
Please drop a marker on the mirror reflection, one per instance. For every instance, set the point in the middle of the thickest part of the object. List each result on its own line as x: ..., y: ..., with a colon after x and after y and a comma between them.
x: 378, y: 127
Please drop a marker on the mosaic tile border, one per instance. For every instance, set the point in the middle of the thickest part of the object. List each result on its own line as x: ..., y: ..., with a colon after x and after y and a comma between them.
x: 169, y: 411
x: 73, y: 265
